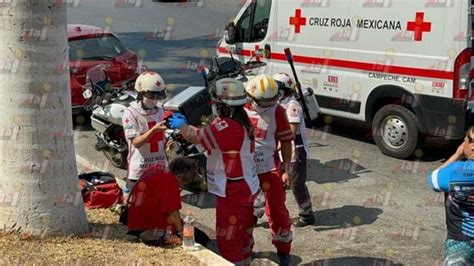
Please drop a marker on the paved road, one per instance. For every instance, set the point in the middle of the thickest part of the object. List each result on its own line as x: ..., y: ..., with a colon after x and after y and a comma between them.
x: 174, y: 39
x: 370, y: 209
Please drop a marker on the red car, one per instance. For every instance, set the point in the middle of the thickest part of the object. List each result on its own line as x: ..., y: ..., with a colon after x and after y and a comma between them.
x: 90, y: 46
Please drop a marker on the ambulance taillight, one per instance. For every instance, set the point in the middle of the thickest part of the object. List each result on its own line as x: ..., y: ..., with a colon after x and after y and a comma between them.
x: 462, y: 75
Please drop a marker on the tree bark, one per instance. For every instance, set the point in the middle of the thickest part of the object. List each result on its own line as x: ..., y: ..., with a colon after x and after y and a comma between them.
x: 39, y: 191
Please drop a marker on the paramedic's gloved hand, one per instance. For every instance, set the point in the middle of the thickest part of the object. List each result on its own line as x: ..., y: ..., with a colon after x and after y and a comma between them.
x: 176, y: 121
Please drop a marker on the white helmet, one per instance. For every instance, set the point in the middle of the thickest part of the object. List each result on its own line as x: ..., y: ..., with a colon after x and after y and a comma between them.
x: 230, y: 92
x: 263, y: 89
x: 285, y: 82
x: 150, y: 81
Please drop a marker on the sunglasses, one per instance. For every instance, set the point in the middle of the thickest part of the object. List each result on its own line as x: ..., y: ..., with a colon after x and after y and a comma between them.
x: 155, y: 95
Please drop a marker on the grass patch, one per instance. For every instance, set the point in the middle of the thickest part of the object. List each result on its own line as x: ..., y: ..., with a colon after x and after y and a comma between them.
x: 107, y: 243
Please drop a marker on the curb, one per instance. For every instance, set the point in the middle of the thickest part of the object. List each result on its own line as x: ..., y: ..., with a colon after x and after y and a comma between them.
x: 204, y: 255
x: 208, y: 257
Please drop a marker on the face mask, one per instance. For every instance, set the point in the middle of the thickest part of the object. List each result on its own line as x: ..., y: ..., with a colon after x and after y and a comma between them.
x: 149, y: 103
x: 281, y: 94
x: 258, y: 108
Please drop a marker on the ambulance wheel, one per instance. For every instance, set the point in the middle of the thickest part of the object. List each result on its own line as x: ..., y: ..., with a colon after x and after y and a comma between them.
x: 395, y: 130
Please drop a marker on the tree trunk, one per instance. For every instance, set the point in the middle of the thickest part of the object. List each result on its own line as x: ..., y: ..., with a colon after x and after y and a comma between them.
x: 39, y: 192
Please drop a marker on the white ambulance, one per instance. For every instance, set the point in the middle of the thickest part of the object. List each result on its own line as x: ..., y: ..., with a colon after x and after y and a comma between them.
x: 401, y: 65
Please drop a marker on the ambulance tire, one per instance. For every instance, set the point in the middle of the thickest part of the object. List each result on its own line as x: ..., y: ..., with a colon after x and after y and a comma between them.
x: 403, y: 137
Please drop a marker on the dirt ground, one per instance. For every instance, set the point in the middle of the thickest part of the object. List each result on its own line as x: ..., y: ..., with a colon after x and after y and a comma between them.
x: 105, y: 244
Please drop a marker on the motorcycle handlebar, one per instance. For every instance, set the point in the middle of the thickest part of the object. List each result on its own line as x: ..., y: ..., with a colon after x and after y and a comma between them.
x: 101, y: 97
x: 238, y: 70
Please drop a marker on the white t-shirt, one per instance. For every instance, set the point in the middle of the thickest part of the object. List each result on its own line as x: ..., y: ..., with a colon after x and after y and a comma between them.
x: 137, y: 121
x: 295, y: 115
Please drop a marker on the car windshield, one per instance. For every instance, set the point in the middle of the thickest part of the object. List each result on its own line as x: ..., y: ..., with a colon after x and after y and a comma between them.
x: 95, y: 48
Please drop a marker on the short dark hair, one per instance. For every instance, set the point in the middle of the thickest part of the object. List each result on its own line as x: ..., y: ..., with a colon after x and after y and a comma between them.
x: 183, y: 165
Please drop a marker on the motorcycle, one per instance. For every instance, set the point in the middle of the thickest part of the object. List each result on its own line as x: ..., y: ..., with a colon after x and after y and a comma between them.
x: 107, y: 105
x: 193, y: 103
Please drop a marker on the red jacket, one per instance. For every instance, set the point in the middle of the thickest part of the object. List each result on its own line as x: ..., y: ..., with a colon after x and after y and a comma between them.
x: 152, y: 199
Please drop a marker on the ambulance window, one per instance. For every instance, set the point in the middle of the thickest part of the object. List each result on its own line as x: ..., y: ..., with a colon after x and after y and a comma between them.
x: 253, y: 24
x: 244, y: 24
x: 260, y: 21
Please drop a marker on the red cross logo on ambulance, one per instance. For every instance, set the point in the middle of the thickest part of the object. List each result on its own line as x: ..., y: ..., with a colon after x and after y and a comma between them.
x: 298, y: 21
x: 419, y: 26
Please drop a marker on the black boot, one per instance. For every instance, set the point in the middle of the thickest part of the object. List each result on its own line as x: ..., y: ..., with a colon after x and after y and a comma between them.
x: 285, y: 258
x: 303, y: 222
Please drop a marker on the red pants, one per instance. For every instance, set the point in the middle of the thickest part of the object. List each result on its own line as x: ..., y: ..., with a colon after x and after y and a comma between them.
x: 275, y: 208
x: 235, y: 223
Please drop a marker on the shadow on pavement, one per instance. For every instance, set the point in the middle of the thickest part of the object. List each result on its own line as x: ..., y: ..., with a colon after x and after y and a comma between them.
x: 82, y: 122
x: 346, y: 128
x: 203, y: 200
x: 270, y: 255
x: 434, y: 148
x: 338, y: 171
x: 349, y: 261
x: 344, y: 217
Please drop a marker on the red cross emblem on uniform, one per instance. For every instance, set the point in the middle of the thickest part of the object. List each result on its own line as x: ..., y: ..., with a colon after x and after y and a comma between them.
x: 294, y: 111
x: 419, y: 26
x: 221, y: 125
x: 157, y: 137
x: 298, y: 21
x: 158, y: 83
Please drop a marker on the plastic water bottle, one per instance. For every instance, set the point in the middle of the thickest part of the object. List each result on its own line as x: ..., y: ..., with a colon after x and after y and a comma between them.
x: 126, y: 194
x: 188, y: 232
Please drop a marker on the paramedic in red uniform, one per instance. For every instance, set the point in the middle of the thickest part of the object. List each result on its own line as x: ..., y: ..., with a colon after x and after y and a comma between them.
x: 229, y: 142
x: 144, y: 128
x: 271, y: 127
x: 155, y: 202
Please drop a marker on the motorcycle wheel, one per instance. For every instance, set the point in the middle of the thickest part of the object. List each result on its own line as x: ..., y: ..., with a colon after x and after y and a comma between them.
x: 118, y: 159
